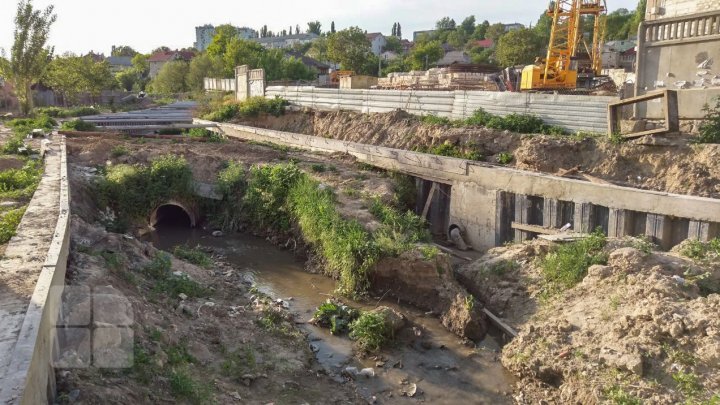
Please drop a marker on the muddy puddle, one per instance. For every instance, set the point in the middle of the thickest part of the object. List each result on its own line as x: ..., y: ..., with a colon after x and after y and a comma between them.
x: 441, y: 367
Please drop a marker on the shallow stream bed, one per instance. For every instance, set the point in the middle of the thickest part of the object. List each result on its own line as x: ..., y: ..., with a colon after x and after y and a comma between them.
x: 442, y: 368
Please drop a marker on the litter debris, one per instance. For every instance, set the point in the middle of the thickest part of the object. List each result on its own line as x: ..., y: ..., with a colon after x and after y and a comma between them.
x: 183, y: 296
x: 410, y: 391
x: 217, y: 234
x: 678, y: 279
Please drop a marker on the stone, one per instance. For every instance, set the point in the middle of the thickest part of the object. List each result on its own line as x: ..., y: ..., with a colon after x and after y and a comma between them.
x: 217, y: 234
x: 393, y: 319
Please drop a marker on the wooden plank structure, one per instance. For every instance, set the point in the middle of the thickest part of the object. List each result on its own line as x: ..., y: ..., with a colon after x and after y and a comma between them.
x: 672, y: 116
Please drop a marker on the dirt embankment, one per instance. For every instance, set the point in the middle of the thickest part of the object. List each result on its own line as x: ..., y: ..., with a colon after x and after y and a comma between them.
x: 673, y: 165
x: 637, y: 330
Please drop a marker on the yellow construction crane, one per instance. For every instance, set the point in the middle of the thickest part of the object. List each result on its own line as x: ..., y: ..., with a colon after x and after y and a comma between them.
x: 568, y: 53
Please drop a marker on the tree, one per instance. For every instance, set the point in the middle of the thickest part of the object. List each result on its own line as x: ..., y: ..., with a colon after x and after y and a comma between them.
x: 495, y: 32
x: 481, y: 30
x: 518, y: 47
x: 223, y: 35
x: 543, y: 28
x: 445, y: 23
x: 297, y: 29
x: 314, y: 27
x: 123, y: 50
x: 332, y: 27
x: 241, y: 52
x: 72, y: 75
x: 424, y: 55
x: 349, y: 47
x: 29, y: 56
x: 618, y: 24
x: 456, y: 38
x: 394, y: 29
x: 203, y: 66
x: 468, y: 25
x: 160, y: 49
x: 399, y: 31
x: 172, y: 78
x: 319, y: 49
x: 393, y: 44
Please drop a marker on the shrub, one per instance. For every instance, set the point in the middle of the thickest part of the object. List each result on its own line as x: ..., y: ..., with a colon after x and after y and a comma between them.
x: 400, y: 231
x: 435, y: 120
x: 568, y: 264
x: 118, y: 151
x: 505, y: 158
x: 160, y: 270
x: 450, y: 150
x: 9, y: 224
x: 710, y: 127
x: 698, y: 250
x: 479, y: 118
x: 267, y: 193
x: 231, y: 184
x: 337, y: 317
x: 78, y: 125
x: 249, y: 108
x: 20, y: 183
x: 57, y: 112
x: 206, y: 134
x: 370, y: 331
x: 193, y: 255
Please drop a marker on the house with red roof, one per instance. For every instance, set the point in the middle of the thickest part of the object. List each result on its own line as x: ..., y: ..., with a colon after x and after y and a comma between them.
x: 159, y: 59
x: 484, y: 43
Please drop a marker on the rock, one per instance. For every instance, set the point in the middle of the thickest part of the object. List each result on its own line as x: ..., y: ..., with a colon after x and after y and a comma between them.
x: 367, y: 372
x: 217, y: 234
x: 676, y: 329
x: 291, y: 385
x: 456, y: 237
x: 183, y: 296
x: 410, y: 391
x: 350, y: 372
x: 465, y: 318
x: 393, y: 319
x: 596, y: 273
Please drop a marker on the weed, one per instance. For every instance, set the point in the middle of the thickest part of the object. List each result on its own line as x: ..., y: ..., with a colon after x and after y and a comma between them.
x: 318, y: 168
x: 615, y: 302
x: 9, y: 224
x: 58, y: 112
x: 231, y: 184
x: 400, y: 232
x: 698, y: 250
x: 617, y: 395
x: 450, y: 150
x: 687, y: 383
x: 273, y: 320
x: 370, y: 331
x: 469, y: 302
x: 193, y: 255
x: 679, y: 356
x: 239, y: 362
x: 183, y: 386
x: 178, y: 355
x: 20, y: 183
x: 405, y: 190
x: 113, y: 260
x: 710, y: 127
x: 202, y: 133
x: 78, y: 125
x: 505, y: 158
x: 435, y: 120
x: 249, y: 108
x: 351, y: 192
x: 644, y: 244
x: 267, y: 192
x: 568, y: 264
x: 616, y: 138
x: 500, y: 268
x: 118, y: 151
x: 337, y: 317
x: 155, y: 335
x: 429, y: 252
x: 159, y: 267
x: 175, y: 285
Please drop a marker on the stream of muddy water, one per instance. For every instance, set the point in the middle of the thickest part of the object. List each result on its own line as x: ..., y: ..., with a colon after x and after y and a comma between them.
x: 443, y: 369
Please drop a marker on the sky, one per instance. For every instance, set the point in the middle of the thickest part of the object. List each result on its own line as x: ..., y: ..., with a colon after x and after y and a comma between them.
x: 96, y: 25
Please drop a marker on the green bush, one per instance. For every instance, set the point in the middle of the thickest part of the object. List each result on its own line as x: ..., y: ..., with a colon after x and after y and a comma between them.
x: 249, y: 108
x: 710, y: 127
x: 505, y: 158
x: 450, y: 150
x: 133, y: 191
x: 335, y: 316
x: 9, y: 223
x: 400, y: 231
x: 435, y: 120
x: 520, y: 123
x: 479, y: 118
x: 267, y: 193
x: 193, y: 255
x: 20, y: 183
x: 370, y: 331
x: 58, y: 112
x: 78, y: 125
x: 206, y: 134
x: 568, y: 264
x: 698, y: 250
x: 118, y: 151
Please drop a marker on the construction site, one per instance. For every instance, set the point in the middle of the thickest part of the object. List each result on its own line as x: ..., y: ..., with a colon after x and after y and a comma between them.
x: 544, y: 234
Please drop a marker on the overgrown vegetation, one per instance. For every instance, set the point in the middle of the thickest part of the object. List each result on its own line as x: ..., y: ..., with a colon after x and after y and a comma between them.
x: 335, y: 316
x: 231, y: 184
x: 451, y: 150
x: 133, y: 191
x: 568, y: 264
x: 519, y: 123
x: 249, y: 108
x: 21, y: 128
x: 505, y: 158
x: 9, y: 223
x: 172, y: 285
x: 401, y: 231
x: 710, y: 127
x: 207, y: 135
x: 78, y: 125
x: 59, y: 112
x: 370, y: 331
x: 698, y: 250
x: 193, y: 255
x: 20, y: 183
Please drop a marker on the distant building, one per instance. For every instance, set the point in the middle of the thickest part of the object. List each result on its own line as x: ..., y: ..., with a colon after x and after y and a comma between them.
x: 484, y: 43
x: 159, y: 59
x: 454, y: 57
x: 389, y: 55
x: 287, y: 41
x: 321, y: 67
x: 406, y: 45
x: 513, y: 27
x: 377, y: 42
x: 619, y: 55
x: 419, y: 34
x: 119, y: 63
x: 205, y: 33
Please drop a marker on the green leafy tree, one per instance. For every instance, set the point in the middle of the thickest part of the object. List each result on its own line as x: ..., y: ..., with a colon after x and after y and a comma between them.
x: 203, y: 66
x: 518, y: 47
x: 394, y: 29
x: 319, y: 49
x: 224, y: 34
x: 445, y: 23
x: 424, y: 55
x: 468, y: 25
x: 160, y: 49
x: 495, y: 32
x: 349, y: 47
x: 127, y: 79
x: 72, y: 75
x: 332, y: 27
x: 241, y: 52
x: 399, y: 31
x: 543, y: 28
x: 481, y: 30
x: 393, y: 44
x: 29, y: 56
x: 172, y: 78
x: 456, y: 38
x: 618, y: 24
x: 124, y: 50
x: 314, y: 27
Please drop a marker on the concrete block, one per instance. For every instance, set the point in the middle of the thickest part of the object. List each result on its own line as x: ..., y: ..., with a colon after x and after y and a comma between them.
x: 659, y: 230
x: 703, y: 231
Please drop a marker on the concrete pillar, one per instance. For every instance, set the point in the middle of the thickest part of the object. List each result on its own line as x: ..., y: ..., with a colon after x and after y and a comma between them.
x: 703, y: 231
x: 584, y: 220
x: 242, y: 88
x: 619, y: 223
x: 659, y: 229
x: 552, y: 213
x: 522, y: 215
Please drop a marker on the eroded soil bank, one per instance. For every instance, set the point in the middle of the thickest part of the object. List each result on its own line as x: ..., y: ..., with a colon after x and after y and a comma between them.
x: 672, y: 164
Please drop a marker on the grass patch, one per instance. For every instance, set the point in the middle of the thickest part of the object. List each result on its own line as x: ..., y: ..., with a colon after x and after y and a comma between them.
x: 58, y: 112
x: 193, y: 255
x: 119, y: 151
x: 21, y: 183
x: 239, y: 362
x: 370, y: 331
x: 400, y: 231
x: 78, y: 125
x: 698, y: 250
x: 429, y: 252
x: 687, y: 383
x: 519, y: 123
x: 617, y: 395
x: 165, y: 282
x: 184, y: 386
x: 249, y: 108
x: 202, y: 133
x: 318, y: 168
x: 710, y: 127
x: 505, y: 158
x: 22, y: 127
x: 500, y: 268
x: 335, y: 316
x: 568, y: 264
x: 450, y: 150
x: 9, y: 223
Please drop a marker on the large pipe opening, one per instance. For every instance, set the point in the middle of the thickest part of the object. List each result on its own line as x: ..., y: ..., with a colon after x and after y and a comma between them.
x: 172, y: 216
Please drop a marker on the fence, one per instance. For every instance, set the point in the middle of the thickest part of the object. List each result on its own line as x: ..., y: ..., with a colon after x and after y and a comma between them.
x: 227, y: 85
x: 576, y: 113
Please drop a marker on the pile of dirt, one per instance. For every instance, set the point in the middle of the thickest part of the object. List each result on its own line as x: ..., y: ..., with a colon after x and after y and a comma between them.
x: 673, y: 165
x: 637, y: 329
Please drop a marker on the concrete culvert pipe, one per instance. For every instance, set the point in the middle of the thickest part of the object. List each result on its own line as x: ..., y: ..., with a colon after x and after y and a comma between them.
x: 455, y: 234
x: 174, y: 214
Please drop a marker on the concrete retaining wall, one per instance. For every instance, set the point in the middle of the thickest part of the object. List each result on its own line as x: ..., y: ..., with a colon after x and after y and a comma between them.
x: 477, y: 187
x: 576, y: 113
x: 28, y: 376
